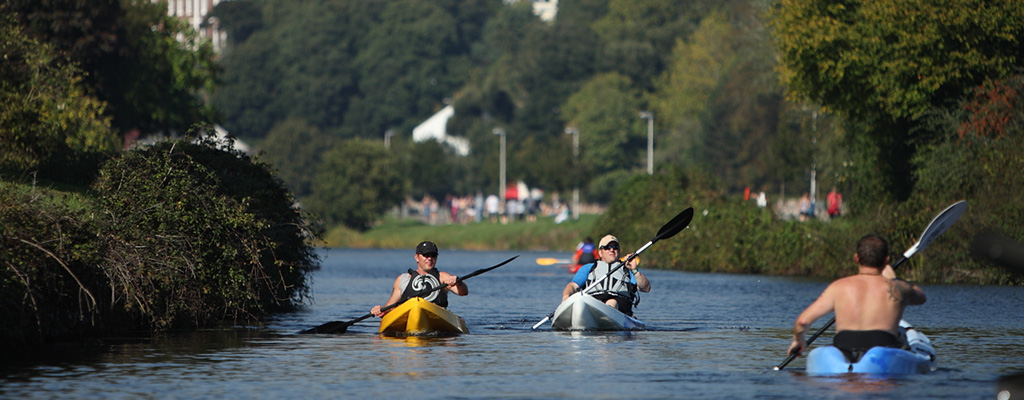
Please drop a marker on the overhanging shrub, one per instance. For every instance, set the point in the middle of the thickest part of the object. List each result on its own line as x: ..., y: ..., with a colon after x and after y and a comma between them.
x: 201, y: 234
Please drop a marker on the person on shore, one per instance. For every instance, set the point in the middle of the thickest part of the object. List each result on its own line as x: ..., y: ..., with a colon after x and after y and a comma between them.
x: 834, y: 202
x: 806, y: 212
x: 419, y: 282
x: 868, y: 306
x: 618, y: 290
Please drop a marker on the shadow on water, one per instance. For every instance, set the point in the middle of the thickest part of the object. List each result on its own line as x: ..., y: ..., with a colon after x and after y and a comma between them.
x: 71, y: 357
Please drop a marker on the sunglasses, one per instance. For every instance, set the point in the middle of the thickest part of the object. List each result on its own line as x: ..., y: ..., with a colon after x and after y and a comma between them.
x: 613, y: 246
x: 428, y: 255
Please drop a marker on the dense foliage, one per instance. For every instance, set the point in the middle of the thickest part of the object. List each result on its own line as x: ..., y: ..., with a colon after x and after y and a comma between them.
x: 885, y: 65
x: 869, y: 101
x: 357, y: 182
x: 732, y: 236
x: 977, y: 159
x: 50, y: 283
x: 47, y: 114
x: 298, y: 150
x: 201, y: 234
x: 148, y: 67
x: 175, y: 236
x: 349, y: 69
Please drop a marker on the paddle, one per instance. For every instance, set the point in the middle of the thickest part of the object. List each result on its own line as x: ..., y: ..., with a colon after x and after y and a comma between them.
x: 939, y: 224
x: 552, y: 261
x: 671, y: 228
x: 342, y: 326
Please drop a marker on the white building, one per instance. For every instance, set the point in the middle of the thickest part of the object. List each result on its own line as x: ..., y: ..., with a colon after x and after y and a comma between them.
x: 546, y: 10
x: 196, y: 13
x: 435, y: 128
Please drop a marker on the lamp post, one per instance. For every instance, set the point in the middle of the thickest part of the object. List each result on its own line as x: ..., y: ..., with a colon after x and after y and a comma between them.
x: 501, y: 168
x: 575, y: 171
x: 650, y: 140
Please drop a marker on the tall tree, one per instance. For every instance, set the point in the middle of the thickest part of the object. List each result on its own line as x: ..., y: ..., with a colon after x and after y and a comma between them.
x: 637, y: 36
x: 295, y: 149
x: 886, y: 64
x: 150, y: 68
x: 413, y: 59
x: 357, y: 182
x: 605, y: 112
x: 46, y: 112
x: 699, y: 65
x: 299, y: 63
x: 238, y: 19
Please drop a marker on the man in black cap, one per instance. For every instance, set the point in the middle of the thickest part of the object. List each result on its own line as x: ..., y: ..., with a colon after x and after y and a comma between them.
x: 419, y: 282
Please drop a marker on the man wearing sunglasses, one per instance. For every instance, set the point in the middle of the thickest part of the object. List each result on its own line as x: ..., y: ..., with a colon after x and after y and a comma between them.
x: 419, y: 282
x: 619, y: 289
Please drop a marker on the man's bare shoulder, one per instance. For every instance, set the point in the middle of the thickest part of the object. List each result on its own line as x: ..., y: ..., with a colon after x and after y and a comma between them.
x: 846, y: 281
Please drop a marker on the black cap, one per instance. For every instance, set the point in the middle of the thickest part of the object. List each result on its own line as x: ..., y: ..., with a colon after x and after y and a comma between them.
x: 426, y: 247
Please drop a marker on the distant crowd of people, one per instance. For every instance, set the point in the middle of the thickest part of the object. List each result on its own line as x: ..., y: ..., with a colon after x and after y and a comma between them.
x: 803, y: 208
x: 520, y: 204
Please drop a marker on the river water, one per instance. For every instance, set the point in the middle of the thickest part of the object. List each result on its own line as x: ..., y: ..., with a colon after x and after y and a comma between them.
x: 710, y: 336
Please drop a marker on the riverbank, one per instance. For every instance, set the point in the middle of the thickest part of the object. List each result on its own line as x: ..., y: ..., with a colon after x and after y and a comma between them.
x: 540, y: 235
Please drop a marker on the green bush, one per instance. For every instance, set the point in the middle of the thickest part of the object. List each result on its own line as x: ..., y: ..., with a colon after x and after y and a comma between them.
x: 725, y: 235
x: 200, y: 234
x: 979, y: 161
x: 50, y: 287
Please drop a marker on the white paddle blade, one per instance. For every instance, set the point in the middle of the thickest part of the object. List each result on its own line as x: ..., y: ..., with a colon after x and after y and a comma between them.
x: 939, y: 224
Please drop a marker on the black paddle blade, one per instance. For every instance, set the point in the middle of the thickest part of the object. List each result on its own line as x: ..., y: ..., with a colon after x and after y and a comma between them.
x: 675, y: 226
x: 340, y: 327
x: 330, y: 327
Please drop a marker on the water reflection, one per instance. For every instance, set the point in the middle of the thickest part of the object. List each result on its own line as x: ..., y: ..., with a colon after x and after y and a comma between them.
x: 600, y: 337
x: 856, y: 383
x: 416, y: 341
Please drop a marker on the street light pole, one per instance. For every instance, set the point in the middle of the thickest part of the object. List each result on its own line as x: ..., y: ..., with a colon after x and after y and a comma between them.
x: 650, y: 140
x: 501, y: 168
x: 575, y: 171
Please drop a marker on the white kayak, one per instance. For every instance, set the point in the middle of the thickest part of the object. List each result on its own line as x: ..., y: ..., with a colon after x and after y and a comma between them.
x: 582, y: 312
x: 917, y: 356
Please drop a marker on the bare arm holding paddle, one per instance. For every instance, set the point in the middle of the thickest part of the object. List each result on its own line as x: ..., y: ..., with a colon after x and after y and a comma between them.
x: 396, y: 293
x: 875, y: 274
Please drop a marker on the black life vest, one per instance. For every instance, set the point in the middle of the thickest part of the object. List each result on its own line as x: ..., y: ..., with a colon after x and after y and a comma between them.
x: 416, y: 285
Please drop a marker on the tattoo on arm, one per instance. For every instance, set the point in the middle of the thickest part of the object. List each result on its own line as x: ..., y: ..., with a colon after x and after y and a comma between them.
x: 897, y: 292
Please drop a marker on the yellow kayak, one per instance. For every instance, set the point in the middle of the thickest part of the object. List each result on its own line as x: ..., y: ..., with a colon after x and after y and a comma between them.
x: 418, y: 317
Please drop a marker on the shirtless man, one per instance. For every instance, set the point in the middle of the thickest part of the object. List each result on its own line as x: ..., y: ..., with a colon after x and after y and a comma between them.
x: 424, y: 277
x: 868, y: 306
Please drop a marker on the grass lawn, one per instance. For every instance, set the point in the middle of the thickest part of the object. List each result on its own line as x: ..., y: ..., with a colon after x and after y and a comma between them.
x: 543, y: 234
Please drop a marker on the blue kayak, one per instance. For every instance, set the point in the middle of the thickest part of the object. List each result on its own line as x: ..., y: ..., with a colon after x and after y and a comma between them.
x: 917, y: 356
